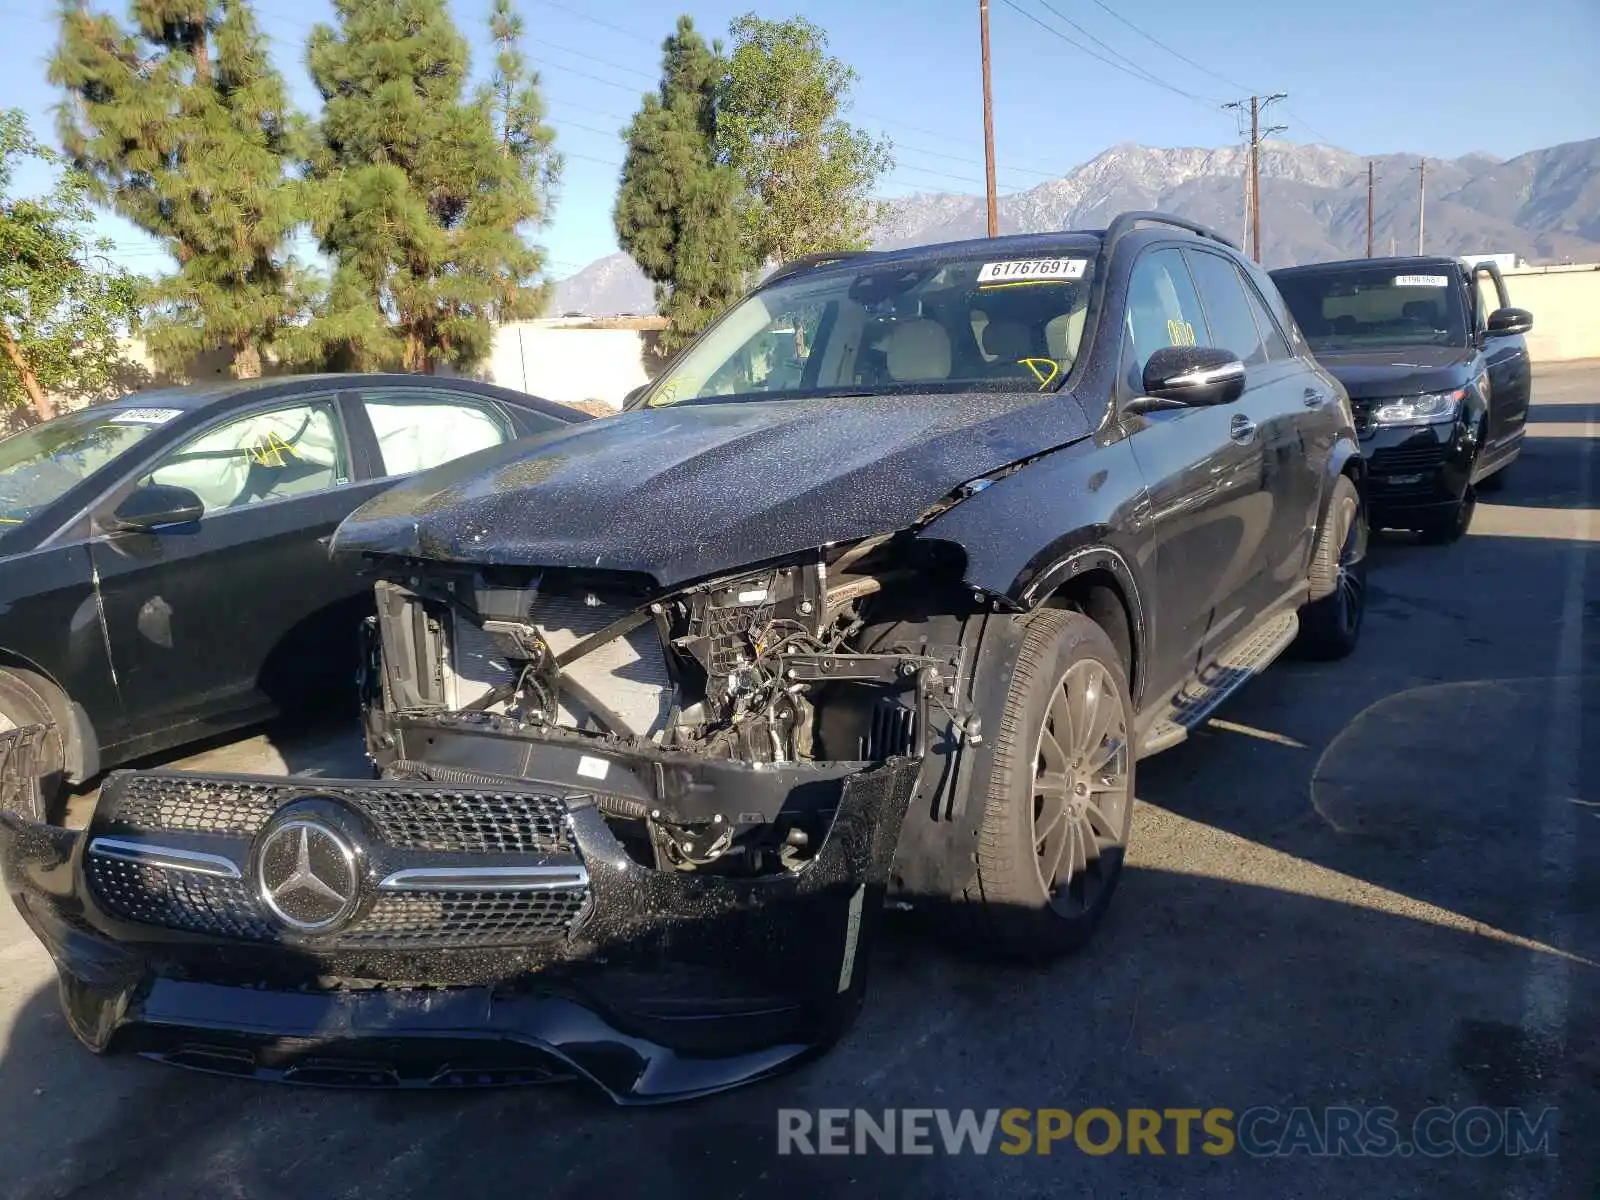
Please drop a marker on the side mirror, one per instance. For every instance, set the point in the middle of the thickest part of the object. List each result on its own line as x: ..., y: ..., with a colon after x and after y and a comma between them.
x: 1505, y: 321
x: 157, y: 506
x: 628, y: 400
x: 1191, y: 377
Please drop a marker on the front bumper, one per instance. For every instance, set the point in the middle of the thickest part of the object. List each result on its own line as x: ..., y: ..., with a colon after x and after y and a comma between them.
x: 655, y: 985
x: 1413, y: 471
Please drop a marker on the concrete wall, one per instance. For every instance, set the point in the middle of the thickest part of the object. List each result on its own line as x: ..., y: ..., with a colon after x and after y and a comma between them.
x: 571, y: 361
x: 1565, y: 303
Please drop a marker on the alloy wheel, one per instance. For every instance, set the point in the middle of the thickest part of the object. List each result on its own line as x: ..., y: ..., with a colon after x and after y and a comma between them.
x: 1081, y: 793
x: 1351, y: 585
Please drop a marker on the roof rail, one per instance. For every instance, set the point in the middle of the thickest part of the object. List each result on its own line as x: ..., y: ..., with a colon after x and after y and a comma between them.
x: 808, y: 262
x: 1126, y: 221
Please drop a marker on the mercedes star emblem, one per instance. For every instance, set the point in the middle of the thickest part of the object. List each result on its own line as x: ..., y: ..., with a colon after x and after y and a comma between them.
x: 308, y: 875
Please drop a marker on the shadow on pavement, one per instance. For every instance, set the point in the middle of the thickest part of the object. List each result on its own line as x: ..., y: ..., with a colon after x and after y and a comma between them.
x: 1201, y: 992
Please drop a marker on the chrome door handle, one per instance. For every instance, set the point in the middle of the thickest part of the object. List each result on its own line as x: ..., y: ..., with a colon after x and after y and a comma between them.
x: 1241, y: 428
x: 1314, y: 398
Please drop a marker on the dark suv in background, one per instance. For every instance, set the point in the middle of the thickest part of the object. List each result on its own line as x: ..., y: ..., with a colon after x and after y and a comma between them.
x: 1434, y: 359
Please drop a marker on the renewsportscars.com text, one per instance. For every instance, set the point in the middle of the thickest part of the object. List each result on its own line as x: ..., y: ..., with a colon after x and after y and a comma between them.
x: 1260, y: 1132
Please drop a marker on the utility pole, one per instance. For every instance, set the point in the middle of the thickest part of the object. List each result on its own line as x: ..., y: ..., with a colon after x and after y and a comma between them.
x: 1422, y: 202
x: 1369, y: 208
x: 988, y: 121
x: 1258, y: 105
x: 1255, y: 179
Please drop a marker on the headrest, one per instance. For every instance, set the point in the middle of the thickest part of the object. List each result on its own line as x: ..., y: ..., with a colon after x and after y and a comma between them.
x: 918, y: 350
x: 1007, y: 340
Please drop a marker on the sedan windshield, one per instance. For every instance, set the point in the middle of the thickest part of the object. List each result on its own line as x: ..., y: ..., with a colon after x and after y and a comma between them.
x: 39, y: 465
x: 935, y: 324
x: 1352, y: 307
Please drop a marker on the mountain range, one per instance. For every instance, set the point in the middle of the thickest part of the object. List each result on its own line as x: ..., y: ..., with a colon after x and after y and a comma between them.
x: 1543, y: 206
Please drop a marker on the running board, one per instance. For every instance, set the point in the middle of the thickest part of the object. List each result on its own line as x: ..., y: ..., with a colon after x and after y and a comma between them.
x: 1234, y: 668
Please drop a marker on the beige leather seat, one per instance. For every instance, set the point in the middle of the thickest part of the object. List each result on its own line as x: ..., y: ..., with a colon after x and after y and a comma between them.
x: 1064, y: 336
x: 918, y: 352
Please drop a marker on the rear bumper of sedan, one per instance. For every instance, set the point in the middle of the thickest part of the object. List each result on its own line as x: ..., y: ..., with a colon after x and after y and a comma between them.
x: 655, y: 985
x: 1414, y: 471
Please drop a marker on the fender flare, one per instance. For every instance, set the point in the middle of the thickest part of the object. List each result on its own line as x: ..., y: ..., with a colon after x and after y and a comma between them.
x: 1346, y: 459
x: 1093, y: 557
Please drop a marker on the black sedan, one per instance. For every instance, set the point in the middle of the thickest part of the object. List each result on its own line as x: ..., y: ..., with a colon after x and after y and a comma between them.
x: 164, y: 572
x: 1436, y: 364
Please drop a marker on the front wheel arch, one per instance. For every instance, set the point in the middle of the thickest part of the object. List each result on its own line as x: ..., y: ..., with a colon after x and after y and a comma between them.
x: 81, y: 742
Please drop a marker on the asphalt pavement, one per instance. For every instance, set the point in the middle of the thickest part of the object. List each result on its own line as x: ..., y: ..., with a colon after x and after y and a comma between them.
x: 1373, y: 885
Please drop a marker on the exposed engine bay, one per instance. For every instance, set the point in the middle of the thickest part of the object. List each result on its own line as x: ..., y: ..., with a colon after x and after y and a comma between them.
x: 774, y: 681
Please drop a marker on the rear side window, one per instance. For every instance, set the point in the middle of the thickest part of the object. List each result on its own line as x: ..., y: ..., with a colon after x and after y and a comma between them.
x: 418, y: 428
x: 1163, y: 310
x: 1228, y: 311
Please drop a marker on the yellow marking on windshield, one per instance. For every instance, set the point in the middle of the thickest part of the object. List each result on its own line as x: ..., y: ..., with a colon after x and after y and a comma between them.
x: 10, y: 520
x: 1014, y: 283
x: 1034, y: 365
x: 271, y: 451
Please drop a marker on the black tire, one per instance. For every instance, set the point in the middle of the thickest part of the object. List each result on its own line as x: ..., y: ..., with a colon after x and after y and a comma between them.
x: 1330, y: 623
x: 1451, y: 525
x: 1015, y: 912
x: 24, y: 701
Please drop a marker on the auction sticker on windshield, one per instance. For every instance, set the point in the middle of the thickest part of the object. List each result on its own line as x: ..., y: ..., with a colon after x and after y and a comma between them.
x: 1031, y: 269
x: 145, y: 416
x: 1421, y: 280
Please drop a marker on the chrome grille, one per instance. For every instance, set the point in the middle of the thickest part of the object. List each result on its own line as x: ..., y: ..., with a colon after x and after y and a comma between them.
x: 196, y: 806
x: 469, y: 822
x: 176, y: 899
x: 421, y: 818
x: 469, y: 918
x: 150, y: 895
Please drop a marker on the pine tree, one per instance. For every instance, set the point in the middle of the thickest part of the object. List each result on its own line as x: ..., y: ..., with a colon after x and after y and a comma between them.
x: 423, y: 195
x: 676, y: 211
x: 184, y: 127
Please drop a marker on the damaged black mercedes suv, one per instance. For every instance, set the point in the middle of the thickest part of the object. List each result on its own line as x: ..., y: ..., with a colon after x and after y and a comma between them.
x: 880, y: 590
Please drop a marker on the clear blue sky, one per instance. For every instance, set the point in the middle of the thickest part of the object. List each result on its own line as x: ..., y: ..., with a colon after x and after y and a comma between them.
x: 1373, y: 76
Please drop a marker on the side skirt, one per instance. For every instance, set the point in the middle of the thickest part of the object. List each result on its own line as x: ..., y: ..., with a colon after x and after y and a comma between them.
x: 1242, y: 661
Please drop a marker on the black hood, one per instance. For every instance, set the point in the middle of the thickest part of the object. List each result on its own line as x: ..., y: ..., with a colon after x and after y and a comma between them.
x: 683, y: 492
x: 1376, y: 374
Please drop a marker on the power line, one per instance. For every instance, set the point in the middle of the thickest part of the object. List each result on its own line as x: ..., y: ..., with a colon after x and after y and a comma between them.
x: 1309, y: 128
x: 1111, y: 50
x: 564, y: 125
x: 604, y: 62
x: 1155, y: 41
x: 1110, y: 62
x: 566, y: 70
x: 603, y: 24
x: 604, y: 162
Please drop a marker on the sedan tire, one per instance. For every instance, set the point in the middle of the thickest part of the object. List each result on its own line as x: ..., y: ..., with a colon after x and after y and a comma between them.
x: 23, y: 702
